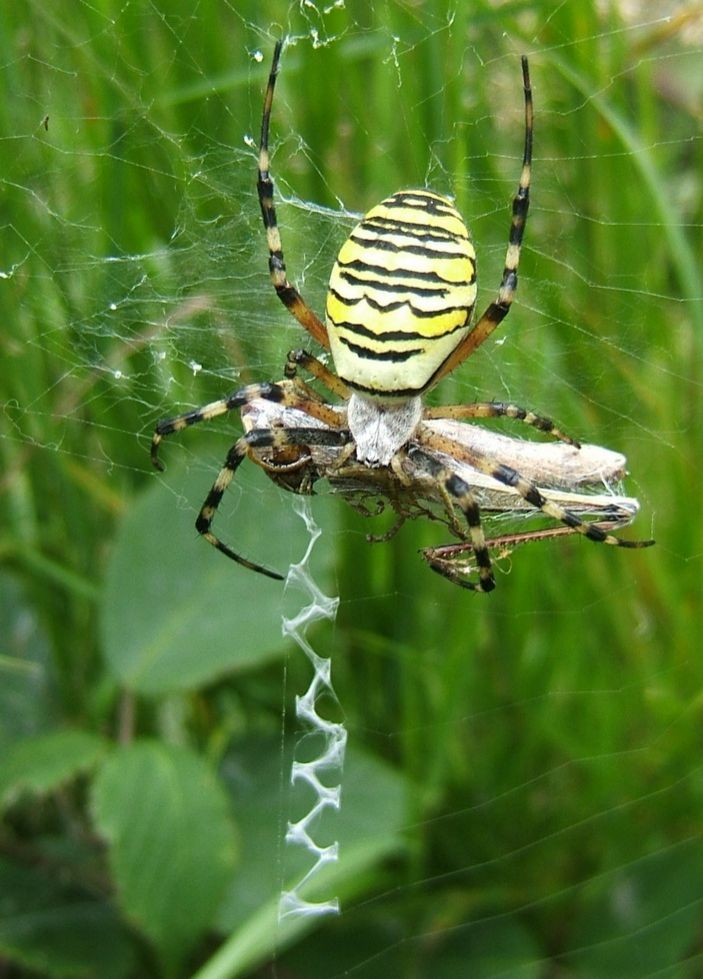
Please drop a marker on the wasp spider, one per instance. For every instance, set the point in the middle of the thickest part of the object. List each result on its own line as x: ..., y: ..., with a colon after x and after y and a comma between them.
x: 398, y: 320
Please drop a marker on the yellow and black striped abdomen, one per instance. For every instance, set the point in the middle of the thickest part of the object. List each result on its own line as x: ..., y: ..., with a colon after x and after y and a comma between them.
x: 401, y: 294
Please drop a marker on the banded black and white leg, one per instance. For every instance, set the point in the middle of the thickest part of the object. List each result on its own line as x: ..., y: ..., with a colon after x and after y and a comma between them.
x: 283, y: 393
x: 460, y: 491
x: 500, y: 409
x: 527, y: 489
x: 302, y: 359
x: 277, y: 440
x: 285, y: 290
x: 500, y: 307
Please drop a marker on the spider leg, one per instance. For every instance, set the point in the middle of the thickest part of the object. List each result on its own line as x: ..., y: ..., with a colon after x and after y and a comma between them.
x: 501, y: 409
x: 499, y: 309
x: 525, y: 487
x: 301, y: 358
x: 458, y: 489
x: 282, y: 393
x: 276, y: 439
x: 528, y: 490
x: 287, y: 293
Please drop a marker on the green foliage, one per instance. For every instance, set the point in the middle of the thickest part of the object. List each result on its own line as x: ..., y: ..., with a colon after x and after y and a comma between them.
x: 657, y: 903
x: 171, y: 842
x: 522, y: 792
x: 163, y: 588
x: 49, y: 927
x: 43, y: 764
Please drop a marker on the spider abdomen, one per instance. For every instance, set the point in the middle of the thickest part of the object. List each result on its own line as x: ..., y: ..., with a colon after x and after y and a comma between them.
x: 401, y: 294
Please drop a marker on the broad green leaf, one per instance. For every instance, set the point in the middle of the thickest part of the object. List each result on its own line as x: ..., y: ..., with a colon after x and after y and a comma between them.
x: 44, y: 763
x: 642, y: 920
x: 54, y: 929
x: 368, y: 828
x: 171, y: 842
x: 177, y: 613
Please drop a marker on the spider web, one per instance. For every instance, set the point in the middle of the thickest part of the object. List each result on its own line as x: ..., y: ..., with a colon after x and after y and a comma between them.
x: 314, y: 772
x: 531, y: 759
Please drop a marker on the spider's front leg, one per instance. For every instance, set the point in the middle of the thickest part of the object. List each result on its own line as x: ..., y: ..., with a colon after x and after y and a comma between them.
x: 280, y: 392
x: 276, y: 439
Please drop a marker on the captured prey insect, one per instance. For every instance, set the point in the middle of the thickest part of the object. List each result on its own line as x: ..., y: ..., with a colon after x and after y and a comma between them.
x: 455, y: 561
x: 399, y: 319
x: 584, y: 479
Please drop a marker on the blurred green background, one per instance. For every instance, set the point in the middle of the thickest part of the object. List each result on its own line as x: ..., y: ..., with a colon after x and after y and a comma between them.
x: 523, y: 793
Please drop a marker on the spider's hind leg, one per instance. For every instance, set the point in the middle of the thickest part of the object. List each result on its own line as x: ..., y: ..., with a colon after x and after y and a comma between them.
x: 529, y: 492
x: 527, y: 489
x: 452, y: 485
